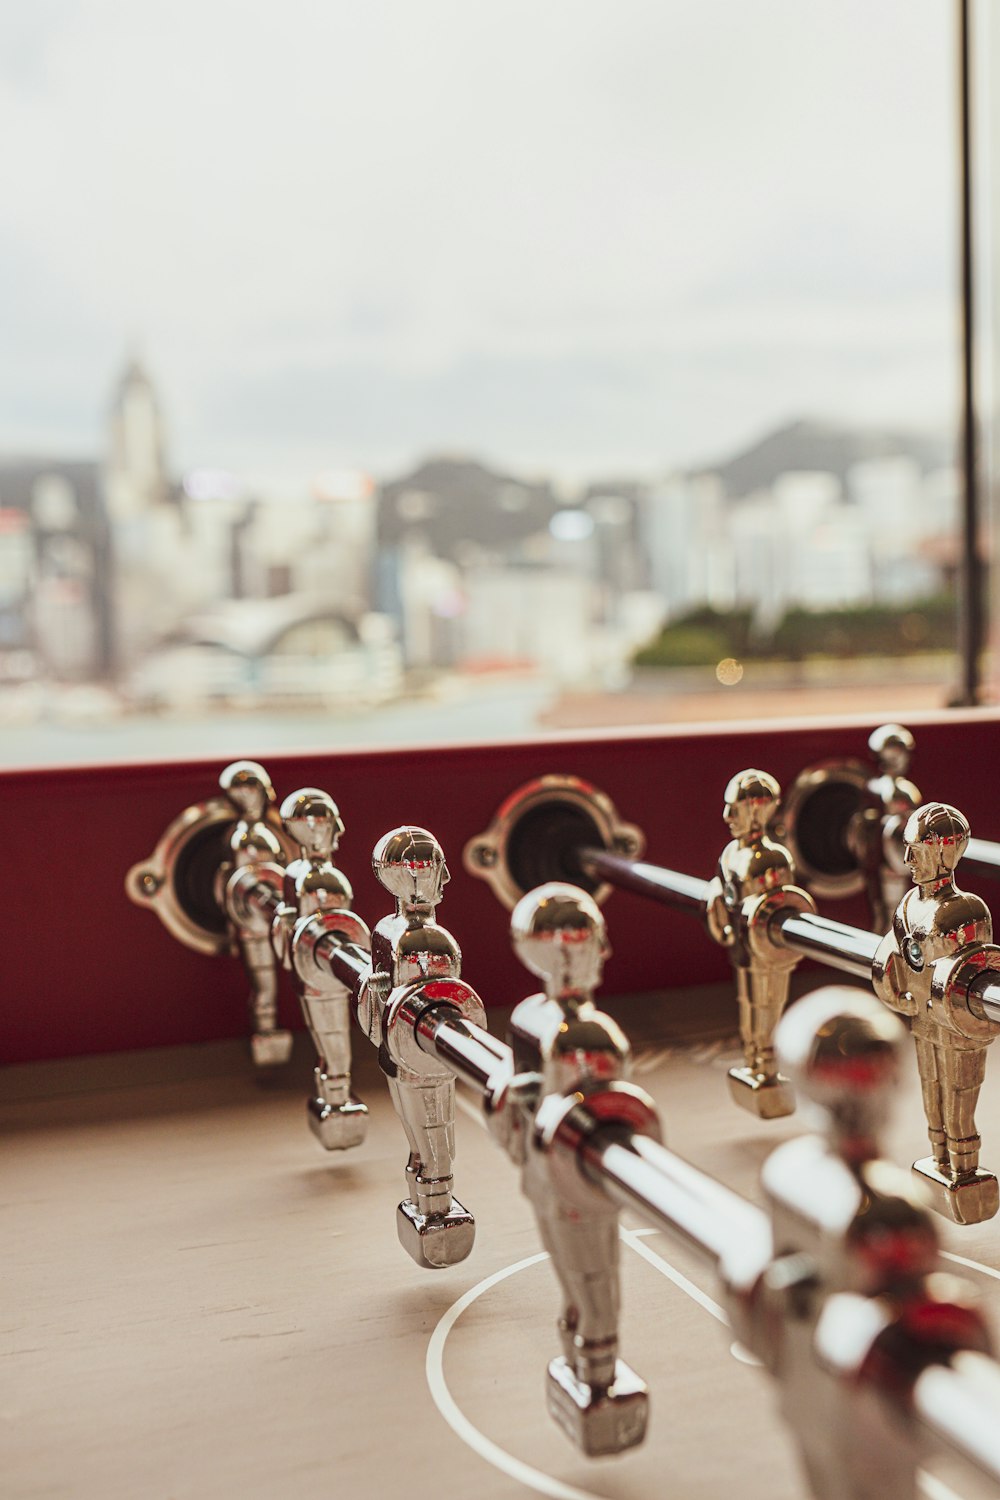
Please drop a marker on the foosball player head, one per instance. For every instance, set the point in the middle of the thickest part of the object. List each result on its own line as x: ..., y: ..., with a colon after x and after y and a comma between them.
x: 249, y: 789
x: 312, y: 819
x: 559, y: 933
x: 843, y: 1052
x: 892, y: 745
x: 409, y: 863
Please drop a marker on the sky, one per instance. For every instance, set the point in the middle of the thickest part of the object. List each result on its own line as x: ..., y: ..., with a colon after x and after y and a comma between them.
x: 568, y: 236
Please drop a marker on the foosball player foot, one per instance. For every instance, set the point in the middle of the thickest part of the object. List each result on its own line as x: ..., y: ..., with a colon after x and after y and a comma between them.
x: 338, y: 1127
x: 768, y: 1096
x: 436, y: 1240
x: 598, y: 1421
x: 966, y: 1200
x: 269, y: 1049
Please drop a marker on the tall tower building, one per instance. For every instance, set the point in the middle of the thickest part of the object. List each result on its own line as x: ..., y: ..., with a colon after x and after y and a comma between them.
x: 136, y: 475
x: 146, y: 523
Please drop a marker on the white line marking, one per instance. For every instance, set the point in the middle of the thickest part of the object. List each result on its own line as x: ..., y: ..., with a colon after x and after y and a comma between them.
x: 543, y: 1484
x: 935, y: 1488
x: 667, y: 1270
x: 974, y: 1265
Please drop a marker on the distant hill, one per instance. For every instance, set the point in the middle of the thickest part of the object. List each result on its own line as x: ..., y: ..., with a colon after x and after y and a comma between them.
x: 819, y: 445
x: 455, y: 500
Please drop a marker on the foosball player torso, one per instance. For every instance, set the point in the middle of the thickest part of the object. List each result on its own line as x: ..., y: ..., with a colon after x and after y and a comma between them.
x: 569, y: 1053
x: 415, y: 961
x: 941, y: 940
x: 752, y: 868
x: 314, y: 885
x: 253, y: 844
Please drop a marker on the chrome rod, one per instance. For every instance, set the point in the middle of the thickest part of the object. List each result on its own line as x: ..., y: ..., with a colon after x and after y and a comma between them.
x: 986, y: 992
x: 263, y: 898
x: 346, y: 962
x: 669, y: 887
x: 984, y: 857
x: 632, y: 1170
x: 670, y: 1194
x: 472, y: 1053
x: 959, y: 1403
x: 850, y: 949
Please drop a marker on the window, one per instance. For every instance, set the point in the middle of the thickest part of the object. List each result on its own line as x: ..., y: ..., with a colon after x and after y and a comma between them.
x: 402, y: 372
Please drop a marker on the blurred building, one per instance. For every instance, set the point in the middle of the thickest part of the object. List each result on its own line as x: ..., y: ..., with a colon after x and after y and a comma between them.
x: 106, y: 566
x: 55, y: 571
x: 768, y: 532
x: 150, y: 540
x: 484, y: 570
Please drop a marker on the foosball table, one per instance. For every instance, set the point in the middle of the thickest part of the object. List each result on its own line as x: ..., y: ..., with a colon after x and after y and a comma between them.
x: 707, y: 1031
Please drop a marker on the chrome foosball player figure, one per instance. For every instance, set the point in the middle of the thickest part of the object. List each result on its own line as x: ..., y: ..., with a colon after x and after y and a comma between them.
x: 853, y: 1307
x: 412, y: 956
x: 567, y: 1052
x: 875, y: 835
x: 214, y: 881
x: 941, y: 940
x: 753, y: 872
x: 313, y: 884
x: 253, y: 845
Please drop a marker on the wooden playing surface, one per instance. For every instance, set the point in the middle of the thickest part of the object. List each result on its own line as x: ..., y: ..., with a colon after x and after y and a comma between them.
x: 199, y: 1302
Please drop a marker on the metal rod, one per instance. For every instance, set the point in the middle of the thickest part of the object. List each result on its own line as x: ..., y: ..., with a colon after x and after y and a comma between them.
x: 984, y: 857
x: 347, y: 963
x: 263, y: 898
x: 634, y: 1171
x: 959, y: 1403
x: 474, y: 1055
x: 985, y: 993
x: 665, y: 1190
x: 848, y: 948
x: 670, y: 887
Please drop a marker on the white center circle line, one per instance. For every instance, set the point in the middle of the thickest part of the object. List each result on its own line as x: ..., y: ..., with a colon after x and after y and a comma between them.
x: 974, y: 1265
x: 535, y: 1479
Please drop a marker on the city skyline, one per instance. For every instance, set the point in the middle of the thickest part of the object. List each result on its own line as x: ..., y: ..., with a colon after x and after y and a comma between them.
x: 803, y: 442
x: 568, y: 243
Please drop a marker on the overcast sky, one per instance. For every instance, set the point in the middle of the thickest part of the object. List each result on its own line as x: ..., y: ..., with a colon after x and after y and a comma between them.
x: 563, y: 234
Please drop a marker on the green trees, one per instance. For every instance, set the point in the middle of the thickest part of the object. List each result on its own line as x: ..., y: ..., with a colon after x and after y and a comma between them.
x: 706, y: 636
